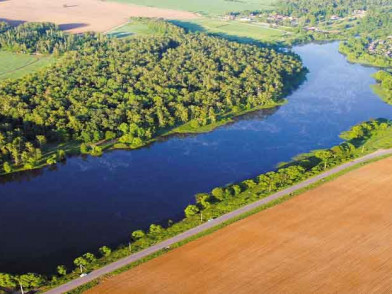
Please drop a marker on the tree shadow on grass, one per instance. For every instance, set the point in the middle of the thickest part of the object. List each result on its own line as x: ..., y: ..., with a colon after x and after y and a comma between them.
x: 12, y: 22
x: 71, y: 26
x: 196, y: 28
x: 189, y: 26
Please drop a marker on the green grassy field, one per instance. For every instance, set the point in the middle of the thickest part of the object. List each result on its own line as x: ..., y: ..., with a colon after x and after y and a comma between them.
x: 206, y: 7
x: 14, y: 65
x: 132, y: 29
x: 233, y: 30
x: 236, y: 30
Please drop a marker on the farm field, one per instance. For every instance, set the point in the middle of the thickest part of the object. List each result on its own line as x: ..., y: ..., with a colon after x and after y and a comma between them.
x: 14, y: 65
x: 81, y: 15
x: 236, y: 30
x: 333, y: 239
x: 233, y: 30
x: 206, y: 7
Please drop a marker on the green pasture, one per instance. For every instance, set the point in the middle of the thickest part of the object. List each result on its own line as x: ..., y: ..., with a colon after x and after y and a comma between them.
x: 132, y: 29
x: 206, y: 7
x: 237, y: 30
x: 13, y: 65
x: 234, y: 30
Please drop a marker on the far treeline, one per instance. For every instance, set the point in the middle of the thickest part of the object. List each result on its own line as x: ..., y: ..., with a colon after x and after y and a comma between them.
x: 374, y: 23
x: 361, y: 139
x: 128, y: 91
x: 318, y: 20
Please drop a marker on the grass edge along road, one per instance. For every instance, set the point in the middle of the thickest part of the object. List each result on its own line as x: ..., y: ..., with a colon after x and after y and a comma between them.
x: 211, y: 224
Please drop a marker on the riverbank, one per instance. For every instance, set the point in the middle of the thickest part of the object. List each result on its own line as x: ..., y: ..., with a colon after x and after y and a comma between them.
x: 265, y: 257
x: 221, y: 202
x: 219, y: 222
x: 73, y: 148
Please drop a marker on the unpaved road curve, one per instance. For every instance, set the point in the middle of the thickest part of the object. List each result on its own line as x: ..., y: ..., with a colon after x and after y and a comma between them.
x: 78, y: 16
x: 134, y: 257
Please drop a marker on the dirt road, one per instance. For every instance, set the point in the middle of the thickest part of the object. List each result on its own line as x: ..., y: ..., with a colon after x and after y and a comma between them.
x: 81, y: 15
x: 126, y: 277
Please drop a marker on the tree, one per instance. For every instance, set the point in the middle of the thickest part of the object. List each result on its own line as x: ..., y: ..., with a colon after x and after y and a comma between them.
x: 109, y: 135
x: 30, y: 281
x: 8, y: 281
x: 138, y: 234
x: 324, y: 156
x: 7, y: 167
x: 61, y: 155
x: 41, y: 139
x: 52, y: 160
x: 61, y: 270
x: 83, y: 148
x: 105, y: 251
x: 191, y: 210
x: 156, y: 229
x: 81, y: 262
x: 89, y: 257
x: 218, y: 193
x: 96, y: 151
x: 203, y: 199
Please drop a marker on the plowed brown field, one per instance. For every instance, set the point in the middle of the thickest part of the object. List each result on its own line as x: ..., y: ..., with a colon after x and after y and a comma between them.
x: 336, y: 238
x: 81, y: 15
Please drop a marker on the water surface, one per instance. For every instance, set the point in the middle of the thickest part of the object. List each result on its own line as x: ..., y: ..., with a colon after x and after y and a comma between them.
x: 50, y: 217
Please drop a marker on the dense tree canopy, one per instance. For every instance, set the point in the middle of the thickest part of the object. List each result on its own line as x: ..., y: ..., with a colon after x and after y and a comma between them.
x: 132, y: 89
x: 40, y: 38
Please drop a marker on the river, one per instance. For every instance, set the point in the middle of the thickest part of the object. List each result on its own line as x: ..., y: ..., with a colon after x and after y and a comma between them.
x: 49, y: 217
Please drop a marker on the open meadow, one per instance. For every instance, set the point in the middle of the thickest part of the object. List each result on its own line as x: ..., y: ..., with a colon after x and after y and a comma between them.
x: 332, y: 239
x: 14, y: 65
x: 234, y: 30
x: 81, y: 15
x: 206, y: 7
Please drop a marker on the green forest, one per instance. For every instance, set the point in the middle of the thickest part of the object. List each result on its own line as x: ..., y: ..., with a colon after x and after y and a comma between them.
x: 130, y: 91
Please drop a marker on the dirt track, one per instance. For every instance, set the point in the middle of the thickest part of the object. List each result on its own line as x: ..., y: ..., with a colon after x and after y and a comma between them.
x: 81, y: 15
x: 334, y: 239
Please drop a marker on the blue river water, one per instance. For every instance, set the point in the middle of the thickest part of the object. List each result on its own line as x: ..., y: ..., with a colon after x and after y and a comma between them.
x: 49, y: 217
